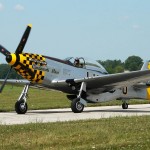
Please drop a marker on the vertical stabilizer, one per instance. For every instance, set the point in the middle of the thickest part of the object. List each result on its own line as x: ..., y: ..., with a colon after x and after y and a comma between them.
x: 146, y: 65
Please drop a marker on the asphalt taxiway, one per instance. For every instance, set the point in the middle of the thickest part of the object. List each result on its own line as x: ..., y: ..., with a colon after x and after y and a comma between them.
x: 65, y: 114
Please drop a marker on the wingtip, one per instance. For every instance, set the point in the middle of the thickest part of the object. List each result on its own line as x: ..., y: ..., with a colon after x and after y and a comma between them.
x: 30, y: 25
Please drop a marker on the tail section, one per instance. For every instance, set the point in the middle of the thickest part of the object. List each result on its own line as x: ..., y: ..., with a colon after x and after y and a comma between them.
x: 146, y: 65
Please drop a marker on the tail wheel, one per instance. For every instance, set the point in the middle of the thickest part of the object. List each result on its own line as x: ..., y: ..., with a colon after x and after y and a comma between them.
x: 21, y: 107
x: 125, y: 106
x: 77, y: 106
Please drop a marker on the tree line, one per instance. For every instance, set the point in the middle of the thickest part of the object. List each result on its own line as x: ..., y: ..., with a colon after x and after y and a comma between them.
x: 132, y: 63
x: 4, y: 68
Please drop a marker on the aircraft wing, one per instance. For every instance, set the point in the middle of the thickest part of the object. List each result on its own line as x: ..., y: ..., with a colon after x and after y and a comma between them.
x: 23, y: 82
x: 99, y: 84
x: 113, y: 81
x: 14, y: 81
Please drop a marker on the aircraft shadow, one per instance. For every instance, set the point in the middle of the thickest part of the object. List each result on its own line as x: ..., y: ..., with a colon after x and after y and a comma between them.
x: 130, y: 110
x: 49, y: 112
x: 118, y: 111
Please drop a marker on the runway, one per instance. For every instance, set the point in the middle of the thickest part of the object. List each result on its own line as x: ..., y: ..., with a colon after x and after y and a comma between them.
x: 57, y: 115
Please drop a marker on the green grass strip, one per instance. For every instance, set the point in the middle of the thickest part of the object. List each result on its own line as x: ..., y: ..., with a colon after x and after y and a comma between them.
x: 42, y: 99
x: 112, y: 134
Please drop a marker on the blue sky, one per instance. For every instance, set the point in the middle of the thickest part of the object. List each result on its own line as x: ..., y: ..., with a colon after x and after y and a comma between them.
x: 97, y: 29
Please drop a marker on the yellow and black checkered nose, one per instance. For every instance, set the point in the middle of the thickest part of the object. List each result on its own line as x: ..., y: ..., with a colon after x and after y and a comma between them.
x: 23, y: 63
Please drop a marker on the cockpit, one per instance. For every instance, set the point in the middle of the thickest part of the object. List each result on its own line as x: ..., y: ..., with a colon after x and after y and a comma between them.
x: 81, y: 62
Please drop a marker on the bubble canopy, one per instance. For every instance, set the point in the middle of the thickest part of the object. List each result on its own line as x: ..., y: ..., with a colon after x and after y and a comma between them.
x: 87, y: 64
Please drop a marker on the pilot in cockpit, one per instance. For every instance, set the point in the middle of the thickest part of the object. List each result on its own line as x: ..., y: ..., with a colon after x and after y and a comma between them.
x: 77, y: 62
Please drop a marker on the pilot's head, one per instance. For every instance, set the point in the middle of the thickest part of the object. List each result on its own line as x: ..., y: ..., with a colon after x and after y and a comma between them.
x: 76, y: 62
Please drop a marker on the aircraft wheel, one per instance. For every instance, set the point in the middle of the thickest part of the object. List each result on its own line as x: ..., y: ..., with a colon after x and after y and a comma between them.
x: 21, y: 107
x: 76, y: 106
x: 125, y: 106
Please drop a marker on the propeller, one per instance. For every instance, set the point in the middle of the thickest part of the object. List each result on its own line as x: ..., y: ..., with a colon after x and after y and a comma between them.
x: 3, y: 85
x: 18, y: 51
x: 4, y: 51
x: 23, y: 40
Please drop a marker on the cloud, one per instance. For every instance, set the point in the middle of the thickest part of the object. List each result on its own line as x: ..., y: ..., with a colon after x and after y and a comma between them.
x: 126, y: 17
x: 1, y: 7
x: 135, y: 26
x: 19, y: 7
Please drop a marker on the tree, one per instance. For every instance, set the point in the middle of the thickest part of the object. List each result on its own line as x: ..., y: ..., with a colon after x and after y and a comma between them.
x: 119, y: 69
x: 113, y: 66
x: 3, y: 72
x: 133, y: 63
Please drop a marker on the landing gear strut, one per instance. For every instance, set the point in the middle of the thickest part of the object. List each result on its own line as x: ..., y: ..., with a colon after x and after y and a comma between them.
x: 21, y: 106
x: 77, y: 104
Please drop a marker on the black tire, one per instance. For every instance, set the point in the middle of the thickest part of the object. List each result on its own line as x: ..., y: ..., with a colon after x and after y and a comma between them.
x: 76, y: 106
x: 20, y: 107
x: 125, y: 106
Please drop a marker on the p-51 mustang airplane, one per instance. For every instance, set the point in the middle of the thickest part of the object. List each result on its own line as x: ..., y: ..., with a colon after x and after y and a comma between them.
x: 84, y: 81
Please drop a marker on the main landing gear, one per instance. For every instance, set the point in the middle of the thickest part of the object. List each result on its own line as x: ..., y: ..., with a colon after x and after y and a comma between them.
x: 21, y: 106
x: 77, y: 104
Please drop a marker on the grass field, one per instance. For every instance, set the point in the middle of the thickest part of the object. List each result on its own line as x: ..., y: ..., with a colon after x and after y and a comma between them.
x: 112, y: 134
x: 40, y: 99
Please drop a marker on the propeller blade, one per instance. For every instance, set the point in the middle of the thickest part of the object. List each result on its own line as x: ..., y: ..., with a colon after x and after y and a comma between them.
x: 4, y: 51
x: 3, y: 85
x: 23, y: 39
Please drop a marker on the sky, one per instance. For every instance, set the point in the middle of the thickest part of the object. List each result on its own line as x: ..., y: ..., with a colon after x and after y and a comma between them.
x: 96, y: 29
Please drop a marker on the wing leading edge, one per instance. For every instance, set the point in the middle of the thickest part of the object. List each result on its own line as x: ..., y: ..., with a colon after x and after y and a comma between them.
x: 111, y: 81
x: 14, y: 81
x: 106, y: 82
